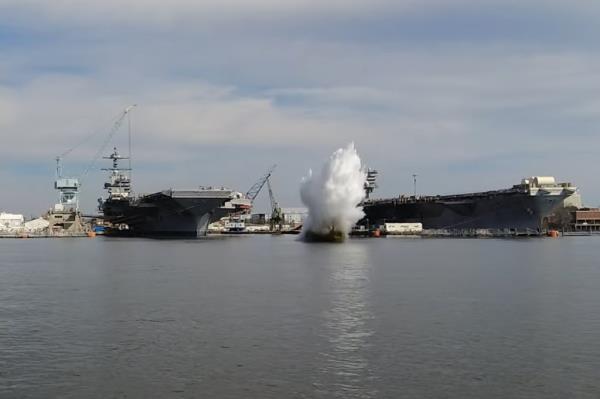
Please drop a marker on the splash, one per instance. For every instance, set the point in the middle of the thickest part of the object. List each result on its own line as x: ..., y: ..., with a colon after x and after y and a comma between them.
x: 332, y: 196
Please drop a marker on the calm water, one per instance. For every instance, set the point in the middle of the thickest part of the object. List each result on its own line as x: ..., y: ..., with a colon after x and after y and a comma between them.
x: 269, y: 317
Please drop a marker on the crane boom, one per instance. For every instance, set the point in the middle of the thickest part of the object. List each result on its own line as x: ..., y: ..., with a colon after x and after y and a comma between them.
x: 274, y: 204
x: 109, y: 137
x: 256, y: 187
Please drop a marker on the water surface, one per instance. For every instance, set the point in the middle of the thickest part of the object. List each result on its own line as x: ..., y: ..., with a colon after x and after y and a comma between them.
x: 270, y: 317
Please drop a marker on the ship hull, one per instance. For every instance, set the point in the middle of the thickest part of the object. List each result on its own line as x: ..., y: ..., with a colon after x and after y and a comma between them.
x: 515, y: 211
x: 167, y: 213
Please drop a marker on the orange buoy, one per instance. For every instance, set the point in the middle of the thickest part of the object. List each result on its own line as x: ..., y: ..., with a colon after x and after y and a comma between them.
x: 376, y: 233
x: 91, y: 234
x: 553, y: 233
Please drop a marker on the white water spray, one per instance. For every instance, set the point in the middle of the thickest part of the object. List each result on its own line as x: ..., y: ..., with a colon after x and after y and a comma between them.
x: 332, y: 195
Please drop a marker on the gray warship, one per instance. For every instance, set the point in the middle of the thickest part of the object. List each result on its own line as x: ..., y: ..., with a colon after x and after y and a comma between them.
x: 163, y: 213
x: 526, y: 207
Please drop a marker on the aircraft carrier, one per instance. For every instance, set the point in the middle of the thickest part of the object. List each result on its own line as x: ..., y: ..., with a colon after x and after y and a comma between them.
x: 526, y: 207
x: 164, y: 213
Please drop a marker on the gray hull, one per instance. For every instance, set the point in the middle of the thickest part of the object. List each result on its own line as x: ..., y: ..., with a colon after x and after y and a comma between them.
x: 504, y: 210
x: 166, y: 213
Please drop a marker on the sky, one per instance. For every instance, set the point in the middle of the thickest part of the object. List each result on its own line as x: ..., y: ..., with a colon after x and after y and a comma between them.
x: 467, y: 94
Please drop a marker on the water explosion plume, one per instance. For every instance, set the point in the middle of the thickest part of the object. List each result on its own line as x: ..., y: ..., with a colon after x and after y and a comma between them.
x: 332, y: 196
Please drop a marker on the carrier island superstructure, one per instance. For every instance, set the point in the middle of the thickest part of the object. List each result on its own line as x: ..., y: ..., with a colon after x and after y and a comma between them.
x: 528, y: 207
x: 164, y: 213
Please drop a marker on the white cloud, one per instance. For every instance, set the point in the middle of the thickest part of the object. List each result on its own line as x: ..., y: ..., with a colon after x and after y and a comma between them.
x: 56, y: 111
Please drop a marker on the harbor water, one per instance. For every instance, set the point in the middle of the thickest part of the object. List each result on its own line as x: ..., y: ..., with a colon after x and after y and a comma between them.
x: 271, y: 317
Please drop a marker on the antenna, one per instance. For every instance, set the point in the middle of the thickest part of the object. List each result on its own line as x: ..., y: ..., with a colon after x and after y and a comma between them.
x: 415, y: 183
x: 129, y: 139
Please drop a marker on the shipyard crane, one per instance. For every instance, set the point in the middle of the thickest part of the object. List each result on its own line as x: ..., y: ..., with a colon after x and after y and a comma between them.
x: 276, y: 212
x: 256, y: 187
x: 115, y: 127
x: 68, y: 188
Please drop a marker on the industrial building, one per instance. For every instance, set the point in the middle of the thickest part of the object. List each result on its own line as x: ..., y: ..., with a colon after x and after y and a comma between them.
x: 10, y: 221
x: 586, y: 220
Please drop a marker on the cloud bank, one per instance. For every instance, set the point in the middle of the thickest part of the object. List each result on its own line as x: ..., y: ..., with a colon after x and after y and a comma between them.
x: 469, y: 95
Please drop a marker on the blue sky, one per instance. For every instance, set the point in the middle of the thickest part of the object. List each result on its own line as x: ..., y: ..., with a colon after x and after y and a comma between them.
x: 468, y: 94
